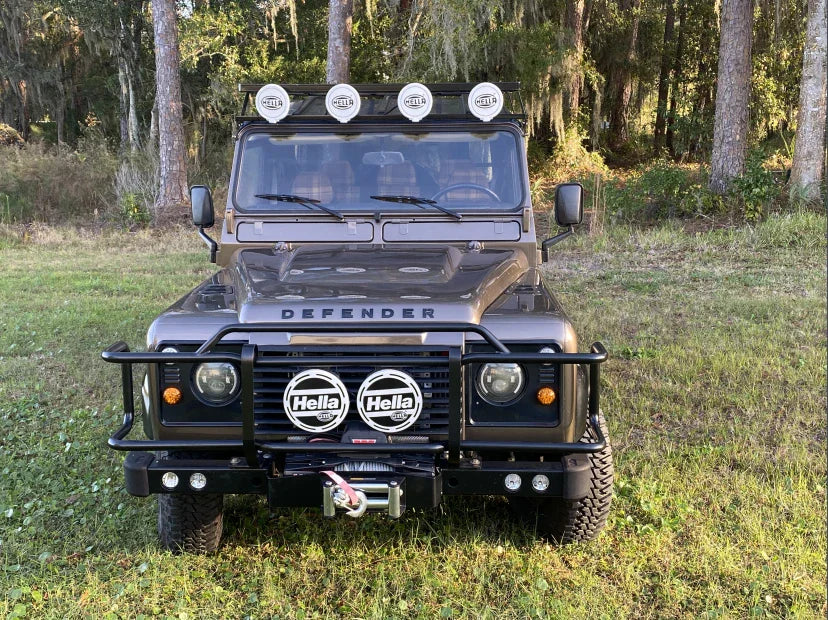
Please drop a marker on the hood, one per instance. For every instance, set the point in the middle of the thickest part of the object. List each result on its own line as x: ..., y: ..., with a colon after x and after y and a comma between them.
x: 372, y: 282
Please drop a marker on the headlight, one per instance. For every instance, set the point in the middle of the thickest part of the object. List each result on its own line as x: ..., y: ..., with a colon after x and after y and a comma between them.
x: 216, y: 382
x: 500, y: 383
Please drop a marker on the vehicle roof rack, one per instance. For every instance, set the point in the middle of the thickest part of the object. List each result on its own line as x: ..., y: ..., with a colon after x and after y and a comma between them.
x: 379, y: 102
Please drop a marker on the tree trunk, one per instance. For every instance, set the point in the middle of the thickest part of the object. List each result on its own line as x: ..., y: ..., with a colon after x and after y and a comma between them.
x: 340, y: 19
x: 620, y: 86
x: 574, y: 23
x: 730, y: 129
x: 132, y: 124
x: 25, y: 116
x: 664, y: 78
x: 153, y: 131
x: 704, y: 86
x: 809, y: 153
x: 172, y: 202
x: 676, y: 78
x: 123, y: 105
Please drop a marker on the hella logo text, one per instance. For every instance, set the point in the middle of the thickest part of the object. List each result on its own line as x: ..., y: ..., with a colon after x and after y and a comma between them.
x: 486, y: 101
x: 415, y: 101
x: 342, y: 102
x: 401, y: 400
x: 321, y: 402
x: 272, y: 103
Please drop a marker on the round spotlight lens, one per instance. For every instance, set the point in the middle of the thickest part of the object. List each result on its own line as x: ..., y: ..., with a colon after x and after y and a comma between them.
x: 549, y: 349
x: 169, y: 480
x: 198, y: 481
x: 500, y: 383
x: 216, y: 382
x: 540, y: 483
x: 512, y: 482
x: 169, y: 350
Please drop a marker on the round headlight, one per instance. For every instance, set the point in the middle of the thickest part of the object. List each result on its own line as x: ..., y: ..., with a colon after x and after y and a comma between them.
x: 216, y: 382
x: 500, y: 383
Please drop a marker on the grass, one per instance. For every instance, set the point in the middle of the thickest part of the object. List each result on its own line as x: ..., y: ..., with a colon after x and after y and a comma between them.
x: 715, y: 396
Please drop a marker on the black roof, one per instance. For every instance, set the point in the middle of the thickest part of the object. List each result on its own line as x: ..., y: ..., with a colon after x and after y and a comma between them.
x: 379, y: 102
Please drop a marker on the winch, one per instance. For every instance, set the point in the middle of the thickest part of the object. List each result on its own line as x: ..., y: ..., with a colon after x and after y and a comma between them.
x: 358, y: 496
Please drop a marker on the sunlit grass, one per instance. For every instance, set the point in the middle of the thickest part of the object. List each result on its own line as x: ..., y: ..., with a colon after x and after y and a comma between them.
x: 715, y: 396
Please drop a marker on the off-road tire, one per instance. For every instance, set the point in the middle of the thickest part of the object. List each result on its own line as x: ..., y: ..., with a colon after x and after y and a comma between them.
x: 190, y: 523
x: 566, y: 521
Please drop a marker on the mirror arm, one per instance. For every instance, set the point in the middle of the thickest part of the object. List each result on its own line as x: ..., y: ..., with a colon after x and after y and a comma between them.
x: 547, y: 243
x: 211, y: 243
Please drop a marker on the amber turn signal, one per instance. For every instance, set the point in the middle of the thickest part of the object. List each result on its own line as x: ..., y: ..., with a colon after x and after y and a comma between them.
x: 546, y: 396
x: 171, y: 396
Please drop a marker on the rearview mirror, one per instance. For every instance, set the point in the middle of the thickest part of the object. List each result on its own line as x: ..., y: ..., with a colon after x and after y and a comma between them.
x: 383, y: 158
x: 569, y: 204
x: 202, y: 204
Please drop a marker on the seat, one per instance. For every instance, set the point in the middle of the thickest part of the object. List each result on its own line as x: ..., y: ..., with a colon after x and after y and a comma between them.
x: 397, y: 180
x: 467, y: 172
x: 341, y: 176
x: 315, y: 185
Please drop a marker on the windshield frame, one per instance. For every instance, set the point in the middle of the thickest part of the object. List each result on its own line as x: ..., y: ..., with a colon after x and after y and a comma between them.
x: 288, y: 128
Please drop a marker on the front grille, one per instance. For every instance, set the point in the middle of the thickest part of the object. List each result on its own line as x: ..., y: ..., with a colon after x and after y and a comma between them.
x: 270, y: 383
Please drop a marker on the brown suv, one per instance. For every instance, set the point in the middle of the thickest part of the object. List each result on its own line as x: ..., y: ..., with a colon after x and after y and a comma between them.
x: 379, y: 335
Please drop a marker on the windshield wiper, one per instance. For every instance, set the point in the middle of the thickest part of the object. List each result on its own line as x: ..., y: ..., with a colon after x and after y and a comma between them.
x: 305, y: 202
x: 420, y: 202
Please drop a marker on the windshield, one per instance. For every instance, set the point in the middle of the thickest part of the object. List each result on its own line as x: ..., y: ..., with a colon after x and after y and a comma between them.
x: 379, y: 172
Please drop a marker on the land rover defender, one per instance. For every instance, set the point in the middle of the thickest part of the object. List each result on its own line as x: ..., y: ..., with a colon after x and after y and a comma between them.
x: 379, y: 335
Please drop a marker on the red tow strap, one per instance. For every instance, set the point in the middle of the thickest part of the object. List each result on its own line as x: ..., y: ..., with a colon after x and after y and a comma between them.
x: 340, y: 482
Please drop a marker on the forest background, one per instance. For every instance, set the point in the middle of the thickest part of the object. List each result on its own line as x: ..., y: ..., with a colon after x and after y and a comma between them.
x: 620, y: 94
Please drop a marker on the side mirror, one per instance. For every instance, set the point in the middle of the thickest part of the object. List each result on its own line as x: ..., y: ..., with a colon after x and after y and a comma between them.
x: 569, y: 204
x: 201, y: 201
x: 569, y: 211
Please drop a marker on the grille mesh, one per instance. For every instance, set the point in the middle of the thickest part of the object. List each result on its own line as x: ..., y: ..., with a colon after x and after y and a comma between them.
x: 270, y: 383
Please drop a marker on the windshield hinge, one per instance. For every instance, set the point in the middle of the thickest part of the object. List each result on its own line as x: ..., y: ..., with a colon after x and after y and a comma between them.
x: 527, y: 219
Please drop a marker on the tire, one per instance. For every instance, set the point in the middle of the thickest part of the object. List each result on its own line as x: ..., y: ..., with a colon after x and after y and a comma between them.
x: 190, y: 523
x: 570, y: 521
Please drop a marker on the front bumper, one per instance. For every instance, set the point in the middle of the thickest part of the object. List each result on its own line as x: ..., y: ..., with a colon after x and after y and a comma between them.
x: 459, y: 466
x: 568, y: 477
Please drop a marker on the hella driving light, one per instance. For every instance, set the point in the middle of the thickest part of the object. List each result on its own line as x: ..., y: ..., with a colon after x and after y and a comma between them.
x: 540, y: 483
x: 500, y: 383
x: 216, y: 382
x: 512, y: 482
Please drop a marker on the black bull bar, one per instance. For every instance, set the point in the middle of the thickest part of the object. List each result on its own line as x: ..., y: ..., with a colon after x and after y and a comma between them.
x: 119, y: 353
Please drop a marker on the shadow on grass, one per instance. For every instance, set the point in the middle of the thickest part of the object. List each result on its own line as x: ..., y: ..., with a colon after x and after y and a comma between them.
x: 458, y: 521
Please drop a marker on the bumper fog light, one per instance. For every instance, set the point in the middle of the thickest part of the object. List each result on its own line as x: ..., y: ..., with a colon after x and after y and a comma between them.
x: 512, y: 482
x: 198, y: 481
x: 540, y: 483
x: 169, y: 480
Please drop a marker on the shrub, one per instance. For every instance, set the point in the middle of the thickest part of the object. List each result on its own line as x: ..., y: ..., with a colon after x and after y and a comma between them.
x: 756, y: 189
x: 136, y: 188
x: 9, y: 136
x: 569, y: 161
x: 53, y: 184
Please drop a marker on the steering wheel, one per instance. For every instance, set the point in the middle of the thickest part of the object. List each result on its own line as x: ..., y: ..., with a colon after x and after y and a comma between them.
x: 480, y: 188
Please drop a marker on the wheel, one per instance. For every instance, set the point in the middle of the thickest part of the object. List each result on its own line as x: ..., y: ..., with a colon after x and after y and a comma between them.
x: 568, y: 521
x: 480, y: 188
x: 190, y: 523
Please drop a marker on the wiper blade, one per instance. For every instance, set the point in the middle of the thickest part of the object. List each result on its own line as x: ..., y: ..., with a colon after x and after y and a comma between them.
x: 305, y: 202
x: 420, y: 202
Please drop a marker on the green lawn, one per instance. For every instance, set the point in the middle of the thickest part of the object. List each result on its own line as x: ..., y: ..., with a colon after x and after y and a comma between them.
x: 715, y: 396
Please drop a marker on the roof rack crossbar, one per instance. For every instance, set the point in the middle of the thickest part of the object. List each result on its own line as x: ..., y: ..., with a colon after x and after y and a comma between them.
x: 368, y: 90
